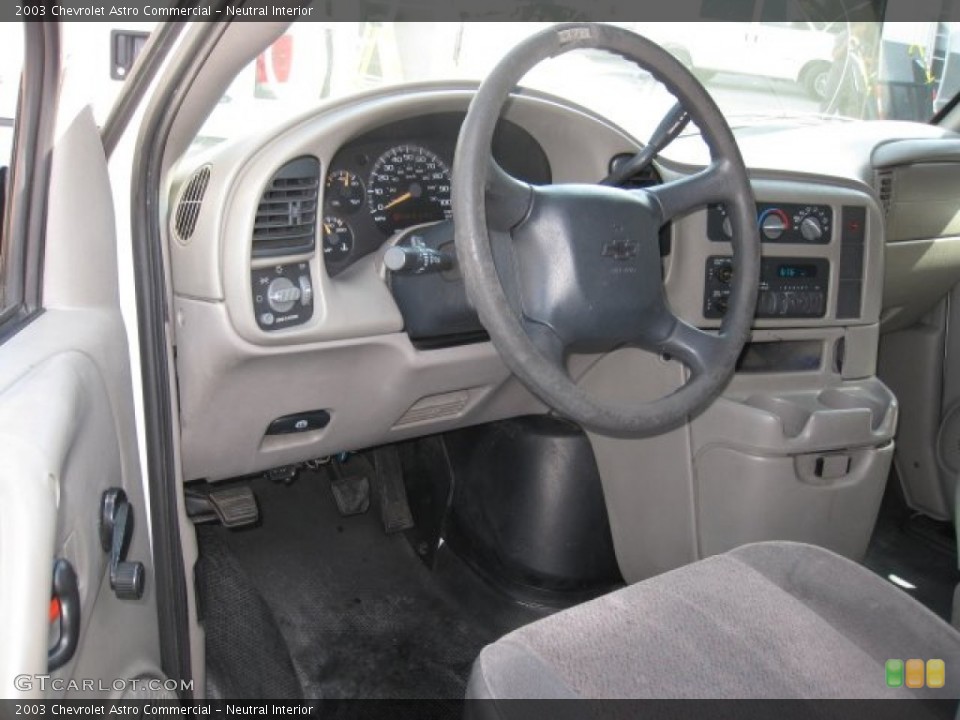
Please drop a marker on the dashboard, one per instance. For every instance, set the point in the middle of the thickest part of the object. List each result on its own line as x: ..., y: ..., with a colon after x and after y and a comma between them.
x: 284, y: 305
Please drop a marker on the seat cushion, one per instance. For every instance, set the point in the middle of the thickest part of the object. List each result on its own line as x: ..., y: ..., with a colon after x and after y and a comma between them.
x: 770, y: 620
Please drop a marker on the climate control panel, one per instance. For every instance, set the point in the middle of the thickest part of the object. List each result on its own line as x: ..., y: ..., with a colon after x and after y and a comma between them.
x: 789, y: 287
x: 282, y: 295
x: 778, y: 223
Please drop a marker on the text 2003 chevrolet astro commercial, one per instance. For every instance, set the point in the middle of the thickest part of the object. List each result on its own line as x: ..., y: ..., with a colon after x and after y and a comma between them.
x: 153, y: 11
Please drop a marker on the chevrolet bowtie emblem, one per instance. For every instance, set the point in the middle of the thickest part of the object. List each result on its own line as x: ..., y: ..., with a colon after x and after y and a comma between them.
x: 621, y: 249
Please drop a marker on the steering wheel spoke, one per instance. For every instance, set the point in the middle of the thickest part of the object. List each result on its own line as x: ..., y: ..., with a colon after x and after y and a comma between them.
x: 550, y: 345
x: 677, y: 198
x: 507, y: 198
x: 698, y: 349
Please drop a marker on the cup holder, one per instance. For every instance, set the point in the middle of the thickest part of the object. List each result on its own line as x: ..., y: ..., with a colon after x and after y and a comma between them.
x: 856, y: 399
x: 842, y: 415
x: 793, y: 416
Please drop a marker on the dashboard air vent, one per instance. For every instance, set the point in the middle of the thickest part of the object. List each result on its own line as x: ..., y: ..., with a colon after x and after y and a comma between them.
x: 885, y: 189
x: 286, y: 222
x: 188, y: 209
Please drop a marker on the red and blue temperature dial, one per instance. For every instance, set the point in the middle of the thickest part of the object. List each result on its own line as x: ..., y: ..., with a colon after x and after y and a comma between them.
x: 773, y: 222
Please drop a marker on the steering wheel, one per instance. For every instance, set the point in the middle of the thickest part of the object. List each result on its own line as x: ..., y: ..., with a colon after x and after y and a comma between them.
x: 576, y: 268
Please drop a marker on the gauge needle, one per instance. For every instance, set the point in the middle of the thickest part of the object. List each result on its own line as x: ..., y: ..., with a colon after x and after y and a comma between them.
x: 396, y: 201
x: 327, y: 229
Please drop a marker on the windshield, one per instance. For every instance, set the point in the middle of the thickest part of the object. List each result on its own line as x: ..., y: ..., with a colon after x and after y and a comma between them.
x: 758, y: 71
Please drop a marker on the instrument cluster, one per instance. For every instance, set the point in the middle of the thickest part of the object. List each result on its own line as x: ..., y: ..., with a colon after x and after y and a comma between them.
x: 399, y: 176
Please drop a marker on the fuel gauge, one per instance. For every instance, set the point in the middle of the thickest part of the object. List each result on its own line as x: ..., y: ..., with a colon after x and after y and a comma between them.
x: 337, y: 239
x: 344, y: 191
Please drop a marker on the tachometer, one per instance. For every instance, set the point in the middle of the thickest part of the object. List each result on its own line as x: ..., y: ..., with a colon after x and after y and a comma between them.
x: 408, y: 185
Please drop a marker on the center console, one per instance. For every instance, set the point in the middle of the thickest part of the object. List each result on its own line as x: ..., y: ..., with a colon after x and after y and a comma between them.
x: 792, y: 286
x: 800, y: 444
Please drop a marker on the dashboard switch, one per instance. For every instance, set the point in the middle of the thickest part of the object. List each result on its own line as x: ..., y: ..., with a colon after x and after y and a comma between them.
x: 282, y: 295
x: 306, y: 290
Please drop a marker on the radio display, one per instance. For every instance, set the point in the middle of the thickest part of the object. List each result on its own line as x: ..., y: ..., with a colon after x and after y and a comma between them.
x: 797, y: 271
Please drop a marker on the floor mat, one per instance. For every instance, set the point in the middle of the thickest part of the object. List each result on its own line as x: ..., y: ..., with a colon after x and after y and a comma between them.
x: 915, y: 553
x: 357, y: 613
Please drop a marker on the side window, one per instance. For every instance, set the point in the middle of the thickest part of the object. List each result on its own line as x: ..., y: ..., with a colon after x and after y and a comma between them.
x: 11, y: 68
x: 29, y: 72
x: 11, y: 65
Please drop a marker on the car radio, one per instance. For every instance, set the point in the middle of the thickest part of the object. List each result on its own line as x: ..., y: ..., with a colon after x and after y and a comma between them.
x: 789, y: 287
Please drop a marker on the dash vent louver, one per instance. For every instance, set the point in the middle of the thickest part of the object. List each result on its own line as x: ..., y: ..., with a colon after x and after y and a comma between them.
x: 191, y: 200
x: 286, y: 221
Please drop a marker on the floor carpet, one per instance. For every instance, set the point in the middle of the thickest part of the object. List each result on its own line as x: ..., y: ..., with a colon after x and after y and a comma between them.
x: 314, y: 604
x: 915, y: 551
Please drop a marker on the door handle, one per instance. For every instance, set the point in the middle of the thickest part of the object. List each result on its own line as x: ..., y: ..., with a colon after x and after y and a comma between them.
x: 67, y: 592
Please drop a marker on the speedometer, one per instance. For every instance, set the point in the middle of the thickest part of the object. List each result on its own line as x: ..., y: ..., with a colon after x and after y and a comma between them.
x: 408, y: 185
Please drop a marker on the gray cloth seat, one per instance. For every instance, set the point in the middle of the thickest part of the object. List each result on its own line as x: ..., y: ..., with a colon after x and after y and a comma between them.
x: 770, y: 620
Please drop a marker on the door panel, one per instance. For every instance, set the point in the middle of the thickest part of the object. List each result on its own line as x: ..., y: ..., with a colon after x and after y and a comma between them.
x: 67, y: 434
x: 920, y: 365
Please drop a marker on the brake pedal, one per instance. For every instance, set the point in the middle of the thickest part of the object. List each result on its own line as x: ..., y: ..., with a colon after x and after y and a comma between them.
x: 351, y: 492
x: 392, y: 493
x: 233, y: 507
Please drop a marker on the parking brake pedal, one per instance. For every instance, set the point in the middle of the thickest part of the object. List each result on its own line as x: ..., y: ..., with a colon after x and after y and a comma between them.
x: 234, y: 507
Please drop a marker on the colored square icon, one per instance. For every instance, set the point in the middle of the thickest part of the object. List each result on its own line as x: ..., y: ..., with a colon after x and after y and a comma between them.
x: 894, y: 670
x: 914, y: 673
x: 936, y: 673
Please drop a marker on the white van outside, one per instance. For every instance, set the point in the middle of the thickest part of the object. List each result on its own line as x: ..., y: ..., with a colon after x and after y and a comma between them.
x: 800, y: 52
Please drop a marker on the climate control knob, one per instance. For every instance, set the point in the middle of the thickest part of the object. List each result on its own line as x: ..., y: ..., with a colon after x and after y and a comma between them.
x: 773, y: 224
x: 811, y: 229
